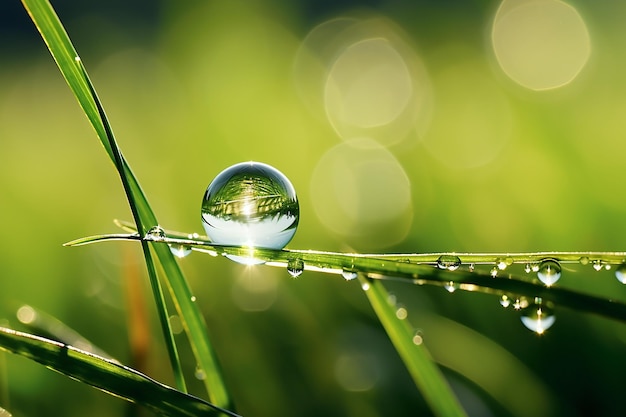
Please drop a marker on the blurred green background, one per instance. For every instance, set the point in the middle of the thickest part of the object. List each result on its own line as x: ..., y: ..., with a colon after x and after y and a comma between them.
x: 405, y: 126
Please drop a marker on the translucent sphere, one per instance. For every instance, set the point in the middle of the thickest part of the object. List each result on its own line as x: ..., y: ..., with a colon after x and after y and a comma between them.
x: 250, y: 204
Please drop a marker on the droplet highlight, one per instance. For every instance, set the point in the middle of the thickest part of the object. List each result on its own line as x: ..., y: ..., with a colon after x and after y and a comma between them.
x: 620, y: 273
x: 348, y: 274
x: 180, y: 251
x: 450, y: 286
x: 538, y: 319
x: 449, y: 262
x: 155, y: 234
x: 295, y: 267
x: 549, y: 272
x: 505, y: 301
x: 250, y: 204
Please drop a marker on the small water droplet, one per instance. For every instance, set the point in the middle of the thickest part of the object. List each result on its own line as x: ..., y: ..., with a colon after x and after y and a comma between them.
x: 449, y: 262
x: 538, y: 319
x: 505, y: 301
x: 155, y: 234
x: 620, y: 273
x: 501, y: 264
x: 520, y: 303
x: 348, y: 274
x: 472, y: 267
x: 418, y: 339
x: 365, y: 286
x: 607, y: 267
x: 200, y: 374
x: 535, y: 267
x: 549, y: 272
x: 402, y: 313
x: 450, y: 286
x: 494, y: 272
x: 193, y: 299
x: 250, y: 204
x: 295, y: 267
x: 527, y: 268
x: 597, y: 265
x: 584, y: 260
x: 180, y: 251
x: 392, y: 300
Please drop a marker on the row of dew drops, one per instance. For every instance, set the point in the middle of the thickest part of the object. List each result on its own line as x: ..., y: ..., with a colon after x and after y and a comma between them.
x: 539, y: 317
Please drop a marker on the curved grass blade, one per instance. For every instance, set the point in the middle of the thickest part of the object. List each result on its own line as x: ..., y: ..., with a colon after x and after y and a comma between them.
x: 425, y: 373
x: 400, y: 267
x: 107, y: 375
x: 62, y: 50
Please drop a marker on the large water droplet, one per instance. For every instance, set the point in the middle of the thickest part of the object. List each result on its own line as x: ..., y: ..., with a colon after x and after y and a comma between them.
x: 620, y: 273
x: 180, y: 251
x: 549, y: 272
x: 539, y: 318
x: 449, y: 262
x: 250, y: 204
x: 295, y: 267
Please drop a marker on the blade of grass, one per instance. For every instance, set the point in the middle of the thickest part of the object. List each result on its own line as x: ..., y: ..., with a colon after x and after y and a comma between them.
x: 425, y: 373
x: 107, y: 375
x: 62, y: 50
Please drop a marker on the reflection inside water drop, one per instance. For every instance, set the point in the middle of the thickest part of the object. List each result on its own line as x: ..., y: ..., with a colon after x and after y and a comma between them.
x: 250, y: 204
x: 620, y: 273
x: 295, y: 267
x: 348, y: 274
x: 549, y: 272
x: 180, y: 251
x: 449, y: 262
x: 538, y: 319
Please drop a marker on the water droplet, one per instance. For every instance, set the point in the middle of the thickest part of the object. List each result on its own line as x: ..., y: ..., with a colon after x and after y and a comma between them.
x: 155, y: 234
x: 250, y: 204
x: 597, y: 265
x: 620, y: 273
x: 348, y: 274
x: 538, y: 319
x: 505, y: 301
x: 449, y: 262
x: 365, y: 286
x: 501, y: 264
x: 607, y: 267
x: 472, y: 267
x: 295, y: 267
x: 193, y: 298
x: 535, y: 267
x: 200, y: 374
x: 180, y: 251
x: 392, y: 300
x: 584, y: 260
x: 520, y: 303
x: 494, y: 272
x: 527, y: 268
x: 402, y: 313
x: 450, y: 286
x: 418, y: 339
x: 549, y: 272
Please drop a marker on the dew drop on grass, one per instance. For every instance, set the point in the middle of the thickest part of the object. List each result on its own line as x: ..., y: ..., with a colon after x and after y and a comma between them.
x: 505, y: 301
x: 180, y: 251
x: 597, y: 265
x: 450, y: 286
x: 348, y: 274
x: 494, y: 272
x: 402, y: 313
x: 527, y: 268
x: 199, y: 374
x: 449, y: 262
x: 155, y: 234
x: 539, y: 318
x: 549, y: 272
x: 295, y: 267
x: 584, y: 260
x: 620, y: 273
x: 418, y: 339
x: 250, y: 204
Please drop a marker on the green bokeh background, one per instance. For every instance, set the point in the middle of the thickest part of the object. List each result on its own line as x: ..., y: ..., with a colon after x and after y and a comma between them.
x: 193, y: 87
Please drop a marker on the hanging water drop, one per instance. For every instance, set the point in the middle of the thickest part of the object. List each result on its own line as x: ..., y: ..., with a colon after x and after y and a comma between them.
x: 180, y: 251
x: 584, y: 260
x: 250, y: 204
x: 527, y: 268
x: 155, y: 234
x: 620, y: 273
x: 538, y: 319
x: 418, y: 339
x: 348, y: 274
x: 494, y: 272
x: 549, y: 272
x: 449, y: 262
x: 450, y: 286
x: 505, y: 301
x: 597, y: 265
x: 295, y: 267
x: 472, y: 267
x: 501, y: 264
x: 401, y: 313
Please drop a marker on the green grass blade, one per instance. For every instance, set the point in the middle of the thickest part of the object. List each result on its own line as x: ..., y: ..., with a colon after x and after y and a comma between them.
x: 425, y: 373
x: 107, y: 375
x: 65, y: 55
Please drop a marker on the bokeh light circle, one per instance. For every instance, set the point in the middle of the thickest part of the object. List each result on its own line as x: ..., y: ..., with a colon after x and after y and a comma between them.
x: 361, y: 192
x: 540, y: 44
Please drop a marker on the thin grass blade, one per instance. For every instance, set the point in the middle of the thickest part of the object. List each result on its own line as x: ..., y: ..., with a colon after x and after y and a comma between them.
x: 107, y: 375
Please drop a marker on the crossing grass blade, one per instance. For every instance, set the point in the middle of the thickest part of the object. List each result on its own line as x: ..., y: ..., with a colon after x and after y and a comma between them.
x: 107, y: 375
x: 63, y: 52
